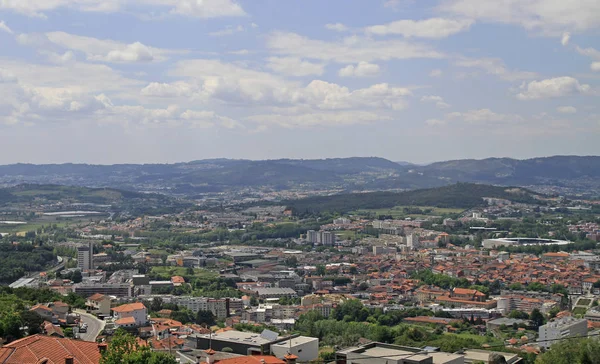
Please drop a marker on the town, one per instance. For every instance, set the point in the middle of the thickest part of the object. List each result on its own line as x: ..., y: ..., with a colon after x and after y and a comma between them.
x: 434, y: 285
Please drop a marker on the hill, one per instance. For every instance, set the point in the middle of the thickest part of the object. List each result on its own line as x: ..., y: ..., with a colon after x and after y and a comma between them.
x: 62, y: 198
x: 460, y: 195
x: 566, y: 174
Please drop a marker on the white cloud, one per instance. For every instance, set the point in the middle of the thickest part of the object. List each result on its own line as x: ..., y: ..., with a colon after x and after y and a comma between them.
x: 348, y: 50
x: 552, y: 87
x: 496, y: 67
x: 565, y: 38
x: 477, y: 116
x: 438, y: 100
x: 101, y: 49
x: 5, y: 28
x: 235, y: 84
x: 176, y: 89
x: 552, y: 17
x: 6, y: 76
x: 337, y: 27
x: 192, y: 8
x: 312, y: 119
x: 595, y: 66
x: 435, y: 73
x: 293, y: 66
x: 589, y: 52
x: 227, y: 31
x: 428, y: 28
x: 362, y: 69
x: 566, y: 109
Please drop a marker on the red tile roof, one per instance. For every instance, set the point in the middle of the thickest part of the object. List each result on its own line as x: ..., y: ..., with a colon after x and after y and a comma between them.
x: 126, y: 321
x: 130, y: 307
x: 34, y: 348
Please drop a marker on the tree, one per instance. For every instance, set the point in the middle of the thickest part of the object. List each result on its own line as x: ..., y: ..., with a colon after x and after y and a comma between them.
x: 205, y: 317
x: 536, y: 318
x: 124, y: 349
x: 32, y: 320
x: 572, y: 351
x: 518, y: 315
x: 321, y: 271
x: 156, y: 304
x: 77, y: 277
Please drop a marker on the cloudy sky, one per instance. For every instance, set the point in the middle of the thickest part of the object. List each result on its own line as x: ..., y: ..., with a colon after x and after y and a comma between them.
x: 115, y: 81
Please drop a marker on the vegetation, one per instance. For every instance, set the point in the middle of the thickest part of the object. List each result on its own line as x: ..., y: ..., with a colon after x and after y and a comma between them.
x: 18, y: 259
x: 572, y: 351
x: 124, y: 349
x: 460, y: 195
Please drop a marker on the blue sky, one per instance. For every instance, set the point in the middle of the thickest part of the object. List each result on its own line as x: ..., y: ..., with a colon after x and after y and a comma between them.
x: 140, y: 81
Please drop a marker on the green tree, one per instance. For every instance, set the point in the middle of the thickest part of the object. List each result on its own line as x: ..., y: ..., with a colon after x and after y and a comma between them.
x: 537, y: 318
x: 124, y: 349
x: 573, y: 351
x: 205, y: 317
x: 77, y: 277
x: 32, y: 320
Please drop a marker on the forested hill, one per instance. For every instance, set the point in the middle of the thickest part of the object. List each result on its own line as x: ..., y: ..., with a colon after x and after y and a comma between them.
x: 83, y: 198
x: 571, y: 174
x: 460, y: 195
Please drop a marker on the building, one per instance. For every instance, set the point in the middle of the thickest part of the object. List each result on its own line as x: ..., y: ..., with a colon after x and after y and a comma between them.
x: 240, y: 342
x: 218, y: 307
x: 380, y: 353
x: 98, y: 304
x: 412, y: 241
x: 327, y: 238
x: 304, y: 347
x: 311, y: 236
x: 85, y: 256
x: 130, y: 315
x: 562, y: 328
x: 275, y: 292
x: 108, y: 289
x: 50, y: 349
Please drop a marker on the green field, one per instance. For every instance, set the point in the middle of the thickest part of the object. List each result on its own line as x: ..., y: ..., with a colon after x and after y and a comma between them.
x: 584, y: 302
x: 399, y: 212
x: 167, y: 272
x: 579, y: 310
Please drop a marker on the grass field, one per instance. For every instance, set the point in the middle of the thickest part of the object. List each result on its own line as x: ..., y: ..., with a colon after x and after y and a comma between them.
x: 579, y: 310
x: 183, y: 271
x: 399, y: 212
x: 584, y: 302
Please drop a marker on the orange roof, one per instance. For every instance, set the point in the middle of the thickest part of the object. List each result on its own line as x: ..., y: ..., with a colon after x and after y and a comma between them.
x: 33, y: 348
x: 126, y: 321
x: 130, y: 307
x: 96, y: 297
x: 253, y: 359
x: 177, y: 279
x: 465, y: 291
x: 42, y: 307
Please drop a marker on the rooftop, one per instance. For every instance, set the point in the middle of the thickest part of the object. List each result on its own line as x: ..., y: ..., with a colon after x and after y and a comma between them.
x: 33, y: 348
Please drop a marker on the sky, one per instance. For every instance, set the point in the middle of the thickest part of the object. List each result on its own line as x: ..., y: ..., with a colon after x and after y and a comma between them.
x: 162, y: 81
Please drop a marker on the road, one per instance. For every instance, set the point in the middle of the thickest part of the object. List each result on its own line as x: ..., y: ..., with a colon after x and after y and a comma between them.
x: 94, y: 326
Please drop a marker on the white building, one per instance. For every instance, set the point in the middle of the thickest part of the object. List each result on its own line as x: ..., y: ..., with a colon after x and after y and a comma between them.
x: 312, y: 236
x: 412, y: 241
x: 85, y: 257
x: 327, y: 238
x: 304, y: 347
x: 130, y: 315
x: 561, y: 329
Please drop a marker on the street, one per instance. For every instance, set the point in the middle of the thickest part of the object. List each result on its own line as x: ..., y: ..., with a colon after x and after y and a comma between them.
x: 94, y: 326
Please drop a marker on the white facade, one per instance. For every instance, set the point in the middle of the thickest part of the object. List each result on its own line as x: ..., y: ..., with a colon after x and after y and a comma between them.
x: 304, y: 347
x: 412, y: 241
x: 137, y: 311
x: 561, y: 329
x: 85, y: 260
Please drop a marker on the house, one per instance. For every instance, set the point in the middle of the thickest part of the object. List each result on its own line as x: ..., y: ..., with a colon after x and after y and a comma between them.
x: 48, y: 349
x: 177, y: 281
x: 98, y: 304
x: 131, y: 315
x: 45, y: 312
x: 52, y: 330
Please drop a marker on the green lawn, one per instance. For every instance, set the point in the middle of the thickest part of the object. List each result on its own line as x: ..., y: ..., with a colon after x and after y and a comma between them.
x: 579, y: 310
x: 584, y: 302
x: 183, y: 271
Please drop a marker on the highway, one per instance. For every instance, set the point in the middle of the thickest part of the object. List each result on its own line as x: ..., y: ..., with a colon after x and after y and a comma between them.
x: 94, y: 326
